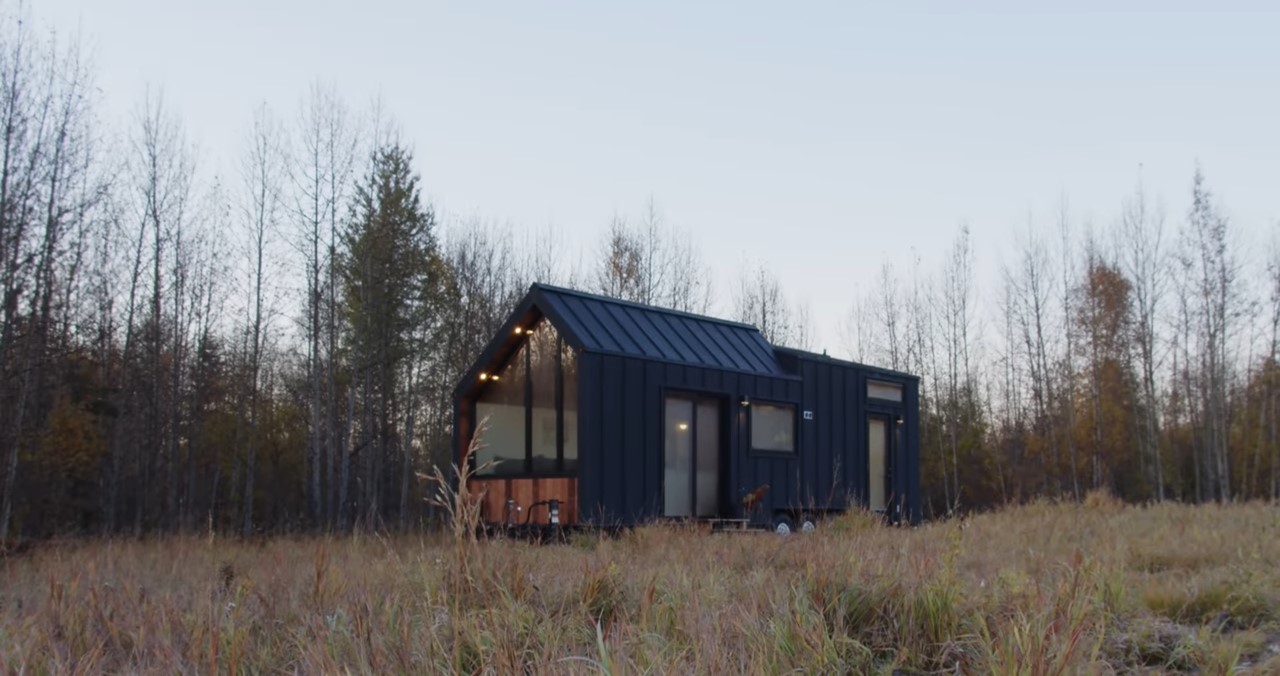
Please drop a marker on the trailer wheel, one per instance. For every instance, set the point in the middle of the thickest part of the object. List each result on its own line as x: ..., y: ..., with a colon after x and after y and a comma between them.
x: 808, y: 523
x: 782, y: 524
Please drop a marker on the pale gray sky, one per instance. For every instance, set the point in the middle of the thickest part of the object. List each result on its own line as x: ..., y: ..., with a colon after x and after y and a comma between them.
x: 820, y: 138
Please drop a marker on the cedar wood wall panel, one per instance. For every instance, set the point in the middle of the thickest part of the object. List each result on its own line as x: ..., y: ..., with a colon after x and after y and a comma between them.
x: 496, y: 490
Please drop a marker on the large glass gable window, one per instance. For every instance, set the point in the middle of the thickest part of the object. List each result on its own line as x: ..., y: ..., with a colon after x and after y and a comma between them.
x: 530, y: 408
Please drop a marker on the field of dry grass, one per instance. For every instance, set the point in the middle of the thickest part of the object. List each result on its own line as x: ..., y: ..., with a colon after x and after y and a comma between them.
x: 1042, y: 589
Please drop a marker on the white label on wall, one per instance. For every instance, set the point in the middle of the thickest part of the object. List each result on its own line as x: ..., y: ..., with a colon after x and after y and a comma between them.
x: 808, y: 415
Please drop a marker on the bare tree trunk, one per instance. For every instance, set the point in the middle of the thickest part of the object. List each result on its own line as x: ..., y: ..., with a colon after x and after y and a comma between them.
x: 1142, y: 234
x: 263, y: 172
x: 1270, y: 373
x: 46, y: 193
x: 1208, y: 254
x: 337, y: 444
x: 406, y: 451
x: 1066, y: 392
x: 888, y: 311
x: 961, y: 404
x: 11, y: 468
x: 15, y: 181
x: 344, y: 481
x: 176, y: 366
x: 317, y: 182
x: 1093, y: 333
x: 119, y: 426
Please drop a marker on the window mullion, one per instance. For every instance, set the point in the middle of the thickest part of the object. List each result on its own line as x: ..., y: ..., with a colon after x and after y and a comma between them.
x: 528, y: 407
x: 559, y: 404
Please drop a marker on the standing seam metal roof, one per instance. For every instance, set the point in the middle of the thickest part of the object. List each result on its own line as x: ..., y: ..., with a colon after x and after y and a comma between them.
x: 609, y: 325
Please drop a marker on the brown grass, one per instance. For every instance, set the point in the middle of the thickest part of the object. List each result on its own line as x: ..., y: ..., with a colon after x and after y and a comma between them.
x: 1041, y: 589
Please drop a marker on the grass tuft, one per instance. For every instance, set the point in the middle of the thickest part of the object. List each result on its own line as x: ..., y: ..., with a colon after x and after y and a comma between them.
x: 1041, y: 589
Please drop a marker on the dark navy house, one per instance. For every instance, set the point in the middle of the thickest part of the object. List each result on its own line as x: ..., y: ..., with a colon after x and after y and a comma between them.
x: 621, y: 413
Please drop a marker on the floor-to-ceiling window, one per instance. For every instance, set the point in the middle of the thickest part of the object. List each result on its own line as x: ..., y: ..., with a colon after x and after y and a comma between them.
x: 529, y: 407
x: 500, y: 409
x: 544, y: 358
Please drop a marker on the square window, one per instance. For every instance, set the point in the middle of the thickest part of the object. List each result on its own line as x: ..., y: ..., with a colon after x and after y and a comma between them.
x: 773, y: 427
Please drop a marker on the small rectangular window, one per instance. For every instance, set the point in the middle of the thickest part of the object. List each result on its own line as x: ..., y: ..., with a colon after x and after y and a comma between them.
x: 882, y: 390
x: 773, y: 427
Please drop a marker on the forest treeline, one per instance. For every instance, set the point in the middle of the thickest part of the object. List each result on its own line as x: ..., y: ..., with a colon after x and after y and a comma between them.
x: 275, y: 349
x: 1137, y: 357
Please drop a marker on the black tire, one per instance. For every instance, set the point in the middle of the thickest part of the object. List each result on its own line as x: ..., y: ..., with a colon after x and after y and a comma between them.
x: 783, y: 525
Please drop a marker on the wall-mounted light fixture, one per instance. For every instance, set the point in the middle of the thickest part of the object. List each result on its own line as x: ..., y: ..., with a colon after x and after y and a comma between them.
x: 682, y: 426
x: 745, y: 402
x: 898, y: 420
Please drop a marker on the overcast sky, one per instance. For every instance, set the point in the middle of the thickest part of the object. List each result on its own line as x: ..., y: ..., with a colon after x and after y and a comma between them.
x: 820, y: 138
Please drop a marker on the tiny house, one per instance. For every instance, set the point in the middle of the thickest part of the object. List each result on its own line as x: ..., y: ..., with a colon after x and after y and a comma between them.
x: 606, y: 413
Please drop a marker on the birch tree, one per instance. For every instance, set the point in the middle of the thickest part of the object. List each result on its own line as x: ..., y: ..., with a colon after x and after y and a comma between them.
x: 955, y: 313
x: 49, y: 194
x: 262, y: 173
x: 1269, y: 420
x: 1031, y: 282
x: 1142, y: 257
x: 1212, y: 272
x: 321, y: 172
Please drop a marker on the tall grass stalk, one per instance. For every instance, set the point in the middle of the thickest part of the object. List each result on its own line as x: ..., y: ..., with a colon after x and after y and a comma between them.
x: 1041, y: 589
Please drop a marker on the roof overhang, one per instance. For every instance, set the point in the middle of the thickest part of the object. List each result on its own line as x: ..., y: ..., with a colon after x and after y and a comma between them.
x: 528, y: 312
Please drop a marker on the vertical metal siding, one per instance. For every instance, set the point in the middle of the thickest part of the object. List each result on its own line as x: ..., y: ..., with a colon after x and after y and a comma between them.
x: 819, y: 465
x: 632, y: 446
x: 654, y: 437
x: 589, y: 435
x: 622, y: 451
x: 912, y: 400
x: 614, y: 437
x: 837, y: 423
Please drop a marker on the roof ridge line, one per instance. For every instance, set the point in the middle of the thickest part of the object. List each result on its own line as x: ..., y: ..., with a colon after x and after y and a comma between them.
x: 654, y: 308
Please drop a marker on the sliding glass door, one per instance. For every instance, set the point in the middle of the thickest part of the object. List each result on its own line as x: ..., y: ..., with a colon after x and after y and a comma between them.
x: 691, y: 457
